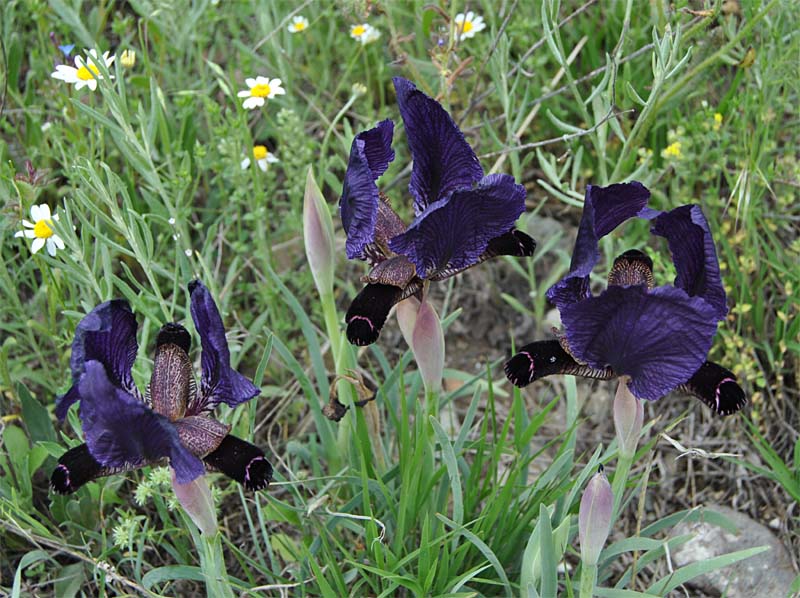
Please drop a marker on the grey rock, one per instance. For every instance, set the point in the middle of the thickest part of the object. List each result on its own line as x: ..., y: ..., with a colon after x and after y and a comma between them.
x: 769, y: 573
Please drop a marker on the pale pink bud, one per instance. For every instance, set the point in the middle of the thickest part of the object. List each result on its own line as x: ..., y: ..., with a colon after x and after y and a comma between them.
x: 318, y: 235
x: 195, y: 498
x: 628, y: 419
x: 594, y: 517
x: 423, y: 332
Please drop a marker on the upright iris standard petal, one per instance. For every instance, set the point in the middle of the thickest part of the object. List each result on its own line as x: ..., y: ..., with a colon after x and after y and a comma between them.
x: 453, y: 233
x: 106, y: 334
x: 659, y: 338
x: 370, y: 155
x: 121, y: 431
x: 604, y: 209
x: 219, y: 383
x: 443, y: 160
x: 689, y: 237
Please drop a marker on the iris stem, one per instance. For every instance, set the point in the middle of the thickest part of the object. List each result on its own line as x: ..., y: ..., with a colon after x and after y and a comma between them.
x: 588, y: 580
x: 624, y: 463
x: 212, y: 564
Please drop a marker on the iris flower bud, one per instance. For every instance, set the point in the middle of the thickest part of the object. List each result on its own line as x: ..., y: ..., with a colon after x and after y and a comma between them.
x: 628, y: 419
x: 195, y: 498
x: 594, y: 517
x: 423, y: 332
x: 318, y: 236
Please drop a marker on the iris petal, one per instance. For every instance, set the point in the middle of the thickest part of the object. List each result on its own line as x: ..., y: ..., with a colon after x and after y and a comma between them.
x: 219, y: 383
x: 687, y: 232
x: 604, y: 209
x: 123, y: 432
x: 454, y: 232
x: 659, y: 338
x: 443, y: 160
x: 370, y: 155
x: 106, y: 334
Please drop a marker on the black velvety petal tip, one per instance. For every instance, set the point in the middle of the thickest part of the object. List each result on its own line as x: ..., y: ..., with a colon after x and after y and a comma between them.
x: 174, y: 334
x: 717, y: 387
x: 241, y: 461
x: 514, y: 243
x: 75, y: 468
x: 547, y: 358
x: 368, y: 312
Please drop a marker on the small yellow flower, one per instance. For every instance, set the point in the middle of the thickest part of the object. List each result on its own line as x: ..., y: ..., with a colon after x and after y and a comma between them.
x: 467, y: 25
x: 41, y: 231
x: 260, y: 90
x: 673, y: 150
x: 717, y: 121
x: 298, y: 24
x: 128, y: 58
x: 85, y: 72
x: 364, y: 33
x: 262, y: 156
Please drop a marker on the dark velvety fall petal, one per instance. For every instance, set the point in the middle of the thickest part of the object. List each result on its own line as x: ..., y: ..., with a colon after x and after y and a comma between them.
x: 122, y: 432
x: 241, y: 461
x: 659, y: 338
x: 200, y: 434
x: 77, y: 467
x: 397, y: 271
x: 443, y: 160
x: 219, y: 383
x: 454, y: 232
x: 368, y: 312
x: 694, y: 255
x: 604, y: 209
x: 547, y: 358
x: 514, y: 243
x: 370, y: 155
x: 717, y: 387
x: 106, y: 334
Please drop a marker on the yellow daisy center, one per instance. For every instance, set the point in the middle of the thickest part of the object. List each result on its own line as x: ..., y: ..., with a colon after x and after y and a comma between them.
x: 260, y: 152
x: 261, y: 90
x: 87, y: 72
x: 466, y: 26
x: 42, y: 230
x: 299, y: 26
x: 358, y: 30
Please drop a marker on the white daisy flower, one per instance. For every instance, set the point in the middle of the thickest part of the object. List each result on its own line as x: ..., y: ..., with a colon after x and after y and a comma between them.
x: 298, y: 24
x: 364, y: 33
x: 467, y: 25
x: 262, y: 156
x: 41, y: 231
x: 260, y: 90
x: 85, y: 72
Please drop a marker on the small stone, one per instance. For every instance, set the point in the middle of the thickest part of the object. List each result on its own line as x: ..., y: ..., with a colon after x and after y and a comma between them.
x: 769, y: 573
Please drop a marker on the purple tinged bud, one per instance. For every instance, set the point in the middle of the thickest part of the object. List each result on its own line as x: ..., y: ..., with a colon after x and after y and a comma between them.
x: 594, y: 517
x: 628, y: 419
x: 423, y: 332
x: 195, y: 498
x: 318, y: 235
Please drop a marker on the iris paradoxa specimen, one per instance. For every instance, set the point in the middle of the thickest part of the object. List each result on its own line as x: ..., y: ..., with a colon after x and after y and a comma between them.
x: 658, y: 337
x: 462, y: 217
x: 125, y: 430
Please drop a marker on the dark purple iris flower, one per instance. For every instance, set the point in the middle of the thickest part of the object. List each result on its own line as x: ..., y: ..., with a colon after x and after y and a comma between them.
x: 463, y: 217
x: 658, y: 337
x: 125, y: 430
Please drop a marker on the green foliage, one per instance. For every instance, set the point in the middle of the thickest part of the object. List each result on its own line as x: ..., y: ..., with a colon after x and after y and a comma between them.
x: 451, y: 495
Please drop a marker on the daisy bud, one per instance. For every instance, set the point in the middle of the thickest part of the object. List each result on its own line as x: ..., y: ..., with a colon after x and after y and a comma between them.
x: 594, y: 517
x: 128, y: 58
x: 628, y: 419
x: 318, y: 235
x: 422, y: 330
x: 195, y: 498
